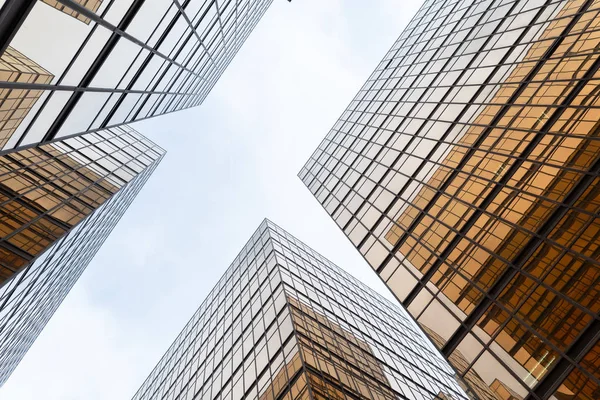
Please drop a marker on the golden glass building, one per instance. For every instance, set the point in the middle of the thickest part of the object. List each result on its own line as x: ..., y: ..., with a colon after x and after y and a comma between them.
x: 285, y: 323
x: 58, y: 203
x: 466, y: 171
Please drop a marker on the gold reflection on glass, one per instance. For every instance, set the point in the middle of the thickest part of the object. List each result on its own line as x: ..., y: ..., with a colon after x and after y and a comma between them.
x: 92, y: 5
x: 337, y: 361
x: 45, y: 191
x: 579, y: 386
x: 504, y: 392
x: 568, y: 148
x: 289, y: 383
x: 476, y: 384
x: 16, y: 103
x: 43, y: 194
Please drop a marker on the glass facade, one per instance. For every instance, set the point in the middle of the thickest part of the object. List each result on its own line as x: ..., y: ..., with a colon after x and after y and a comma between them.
x: 16, y: 103
x: 129, y: 59
x: 46, y: 190
x: 58, y: 203
x: 285, y: 323
x: 466, y: 171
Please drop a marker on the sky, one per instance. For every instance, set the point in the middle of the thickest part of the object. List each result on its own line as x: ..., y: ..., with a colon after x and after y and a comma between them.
x: 230, y: 163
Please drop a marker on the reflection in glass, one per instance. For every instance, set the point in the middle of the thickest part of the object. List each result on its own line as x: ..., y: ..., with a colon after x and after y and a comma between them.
x: 45, y: 191
x: 16, y: 103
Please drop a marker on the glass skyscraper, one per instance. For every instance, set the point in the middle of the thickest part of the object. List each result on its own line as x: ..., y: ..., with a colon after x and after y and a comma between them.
x: 104, y: 63
x: 59, y: 202
x: 72, y: 73
x: 285, y: 323
x: 467, y: 173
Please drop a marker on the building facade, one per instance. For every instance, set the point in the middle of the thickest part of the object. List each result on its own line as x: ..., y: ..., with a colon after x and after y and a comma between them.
x: 466, y: 171
x: 285, y: 323
x: 45, y: 191
x: 58, y: 203
x: 16, y: 103
x: 113, y: 62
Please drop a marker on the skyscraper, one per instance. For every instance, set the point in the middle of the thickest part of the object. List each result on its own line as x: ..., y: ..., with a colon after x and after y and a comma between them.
x: 285, y: 323
x: 466, y: 171
x: 113, y: 62
x: 58, y: 203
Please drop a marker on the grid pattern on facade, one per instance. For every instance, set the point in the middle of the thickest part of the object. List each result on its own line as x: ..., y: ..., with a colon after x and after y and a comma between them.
x: 16, y: 103
x: 134, y: 60
x: 466, y: 171
x: 92, y: 5
x: 274, y: 327
x: 336, y: 360
x: 45, y: 191
x: 31, y: 297
x: 477, y: 386
x: 384, y: 354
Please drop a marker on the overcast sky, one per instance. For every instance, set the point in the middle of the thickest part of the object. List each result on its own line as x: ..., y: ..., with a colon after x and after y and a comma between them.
x: 230, y: 163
